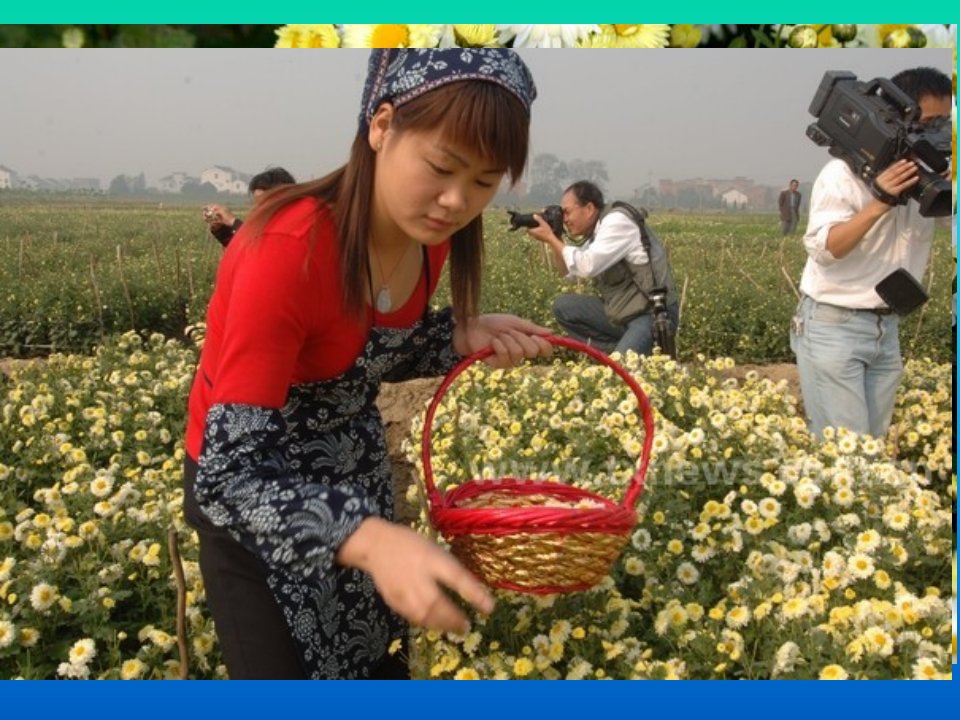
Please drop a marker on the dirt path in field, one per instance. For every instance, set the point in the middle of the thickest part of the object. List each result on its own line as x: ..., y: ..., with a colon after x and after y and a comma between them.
x: 401, y: 401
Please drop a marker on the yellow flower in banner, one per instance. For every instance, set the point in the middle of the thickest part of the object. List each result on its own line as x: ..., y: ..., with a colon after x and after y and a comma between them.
x: 466, y: 674
x: 307, y: 36
x: 628, y: 36
x: 387, y: 36
x: 73, y: 37
x: 476, y: 35
x: 685, y: 36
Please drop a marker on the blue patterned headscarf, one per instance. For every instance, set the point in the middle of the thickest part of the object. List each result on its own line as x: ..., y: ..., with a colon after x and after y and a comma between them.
x: 400, y: 75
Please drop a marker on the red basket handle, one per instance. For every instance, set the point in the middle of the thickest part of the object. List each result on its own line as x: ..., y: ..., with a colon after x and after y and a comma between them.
x: 636, y: 483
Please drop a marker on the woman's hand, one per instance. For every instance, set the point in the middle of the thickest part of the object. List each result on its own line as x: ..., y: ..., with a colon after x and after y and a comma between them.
x: 410, y: 573
x: 513, y: 339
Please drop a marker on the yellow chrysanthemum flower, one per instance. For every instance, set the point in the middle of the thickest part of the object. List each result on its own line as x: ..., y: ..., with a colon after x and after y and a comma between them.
x: 628, y: 36
x: 307, y: 36
x: 391, y: 36
x: 476, y: 35
x: 833, y: 672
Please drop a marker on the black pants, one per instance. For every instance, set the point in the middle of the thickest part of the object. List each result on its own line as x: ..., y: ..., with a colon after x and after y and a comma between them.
x: 254, y: 638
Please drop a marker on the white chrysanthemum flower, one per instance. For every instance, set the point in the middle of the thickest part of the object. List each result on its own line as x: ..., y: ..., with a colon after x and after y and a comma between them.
x: 717, y: 31
x: 6, y: 568
x: 83, y: 651
x: 132, y: 669
x: 738, y: 617
x: 940, y: 36
x: 545, y: 36
x: 769, y: 508
x: 868, y: 541
x: 860, y: 565
x: 786, y: 658
x: 43, y: 596
x: 924, y: 669
x: 73, y: 672
x: 687, y: 573
x: 8, y: 633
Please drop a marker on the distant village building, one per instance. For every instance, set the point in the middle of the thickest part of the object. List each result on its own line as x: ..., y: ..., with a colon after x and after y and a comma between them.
x: 733, y: 198
x: 740, y: 192
x: 6, y: 178
x: 82, y: 184
x: 174, y: 182
x: 225, y: 180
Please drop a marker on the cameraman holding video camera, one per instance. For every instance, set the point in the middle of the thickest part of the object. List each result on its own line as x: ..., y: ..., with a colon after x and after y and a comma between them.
x: 224, y: 224
x: 638, y: 300
x: 867, y: 227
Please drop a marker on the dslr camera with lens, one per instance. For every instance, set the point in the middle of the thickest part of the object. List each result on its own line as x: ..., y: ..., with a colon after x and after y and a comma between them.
x: 552, y: 214
x: 664, y: 334
x: 872, y: 124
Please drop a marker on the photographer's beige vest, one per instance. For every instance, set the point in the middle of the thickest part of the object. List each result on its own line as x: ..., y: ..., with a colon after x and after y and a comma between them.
x: 625, y: 287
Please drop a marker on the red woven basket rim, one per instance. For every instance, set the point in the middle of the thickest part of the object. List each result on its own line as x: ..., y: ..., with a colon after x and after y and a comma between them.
x: 454, y: 520
x: 451, y: 520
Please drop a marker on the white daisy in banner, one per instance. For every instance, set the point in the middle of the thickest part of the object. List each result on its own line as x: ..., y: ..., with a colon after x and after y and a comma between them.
x: 545, y: 36
x: 720, y: 32
x: 940, y: 36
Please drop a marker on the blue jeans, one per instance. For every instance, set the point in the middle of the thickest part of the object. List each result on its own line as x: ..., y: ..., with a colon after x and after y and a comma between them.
x: 582, y: 318
x: 850, y: 366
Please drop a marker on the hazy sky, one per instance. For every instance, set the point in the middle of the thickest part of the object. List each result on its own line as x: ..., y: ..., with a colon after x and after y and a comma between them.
x: 648, y: 114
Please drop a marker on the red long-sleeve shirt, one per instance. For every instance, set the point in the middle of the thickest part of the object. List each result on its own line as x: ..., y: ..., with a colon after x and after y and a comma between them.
x: 275, y: 318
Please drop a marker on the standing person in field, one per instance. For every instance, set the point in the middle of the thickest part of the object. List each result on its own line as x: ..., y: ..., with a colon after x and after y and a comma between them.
x: 845, y: 337
x: 223, y: 223
x: 789, y: 204
x: 325, y: 293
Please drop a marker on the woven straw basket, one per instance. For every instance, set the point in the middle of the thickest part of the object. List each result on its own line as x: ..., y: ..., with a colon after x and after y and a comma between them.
x: 527, y: 535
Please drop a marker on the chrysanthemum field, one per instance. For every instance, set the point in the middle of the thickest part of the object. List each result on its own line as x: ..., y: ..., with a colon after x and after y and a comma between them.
x: 758, y: 553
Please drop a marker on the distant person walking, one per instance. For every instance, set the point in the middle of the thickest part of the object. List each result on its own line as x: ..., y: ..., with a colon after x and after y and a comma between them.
x: 789, y: 204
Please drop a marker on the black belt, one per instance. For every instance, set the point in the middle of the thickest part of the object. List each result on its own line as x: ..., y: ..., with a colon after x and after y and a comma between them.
x: 876, y: 311
x: 881, y: 311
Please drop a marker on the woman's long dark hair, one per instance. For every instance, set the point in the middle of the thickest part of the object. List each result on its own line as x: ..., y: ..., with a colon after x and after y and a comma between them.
x: 475, y: 114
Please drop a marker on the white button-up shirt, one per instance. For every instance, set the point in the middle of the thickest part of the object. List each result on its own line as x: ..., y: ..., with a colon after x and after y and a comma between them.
x: 616, y: 238
x: 902, y: 238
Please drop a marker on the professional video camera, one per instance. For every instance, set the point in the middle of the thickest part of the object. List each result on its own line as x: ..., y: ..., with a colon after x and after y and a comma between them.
x: 553, y: 214
x: 664, y: 334
x: 871, y: 125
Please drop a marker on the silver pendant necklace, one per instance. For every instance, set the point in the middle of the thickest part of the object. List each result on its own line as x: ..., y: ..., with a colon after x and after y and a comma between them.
x: 384, y: 301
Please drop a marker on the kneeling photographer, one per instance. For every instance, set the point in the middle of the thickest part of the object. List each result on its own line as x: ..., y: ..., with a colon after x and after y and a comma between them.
x: 638, y: 297
x: 868, y: 239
